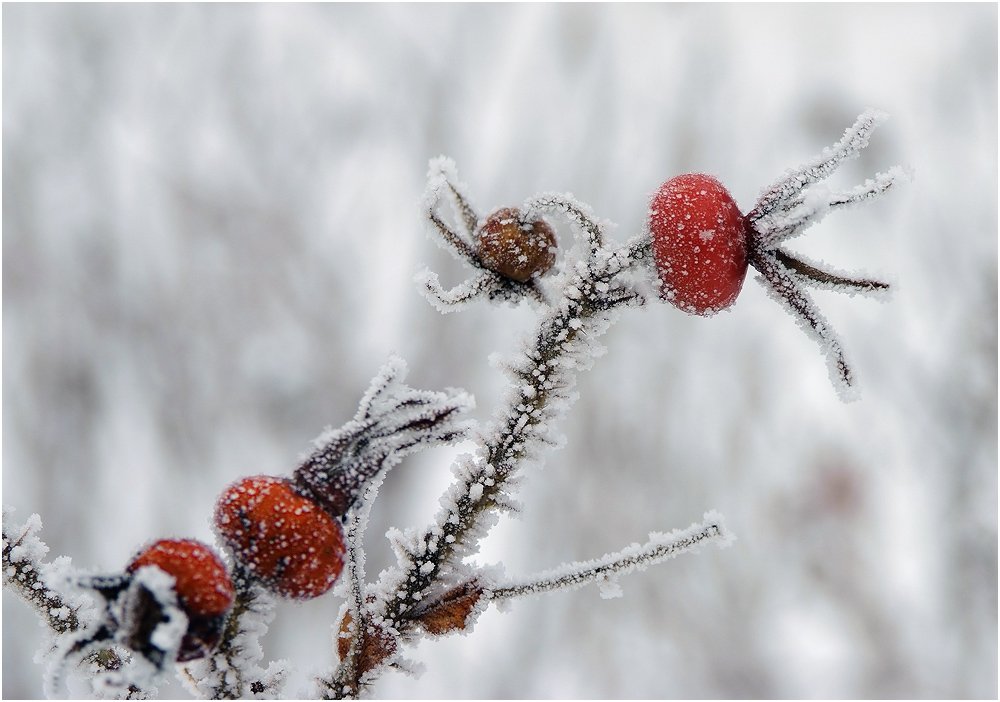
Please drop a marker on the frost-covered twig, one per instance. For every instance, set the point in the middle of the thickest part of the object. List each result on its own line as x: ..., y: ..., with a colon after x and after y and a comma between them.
x: 605, y: 570
x: 416, y: 594
x: 23, y: 565
x: 352, y: 637
x: 26, y: 572
x: 233, y: 671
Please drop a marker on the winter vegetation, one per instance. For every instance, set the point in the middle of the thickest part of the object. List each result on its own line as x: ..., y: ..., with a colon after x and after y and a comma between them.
x: 170, y: 350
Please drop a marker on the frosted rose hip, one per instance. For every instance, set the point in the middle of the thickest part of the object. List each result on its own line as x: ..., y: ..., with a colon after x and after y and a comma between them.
x: 699, y: 243
x: 203, y: 587
x: 284, y: 539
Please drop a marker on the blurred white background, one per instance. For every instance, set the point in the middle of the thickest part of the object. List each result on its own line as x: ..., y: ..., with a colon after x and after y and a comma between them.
x: 210, y: 230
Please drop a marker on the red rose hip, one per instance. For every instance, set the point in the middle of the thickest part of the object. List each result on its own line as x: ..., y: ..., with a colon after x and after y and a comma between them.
x: 202, y: 585
x: 699, y: 243
x: 279, y: 536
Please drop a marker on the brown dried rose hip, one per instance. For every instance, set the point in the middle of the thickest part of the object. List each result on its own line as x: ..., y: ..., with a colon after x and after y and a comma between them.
x: 514, y: 248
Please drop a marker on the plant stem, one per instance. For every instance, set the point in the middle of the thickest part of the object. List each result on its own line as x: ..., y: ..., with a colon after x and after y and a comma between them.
x: 544, y: 377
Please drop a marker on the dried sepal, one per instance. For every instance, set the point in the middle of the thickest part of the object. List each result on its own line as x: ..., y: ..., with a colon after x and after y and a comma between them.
x: 461, y: 248
x: 783, y: 191
x: 824, y: 277
x: 458, y: 297
x: 579, y: 214
x: 790, y: 206
x: 443, y: 182
x: 139, y: 632
x: 810, y: 207
x: 450, y: 611
x: 785, y: 289
x: 393, y: 420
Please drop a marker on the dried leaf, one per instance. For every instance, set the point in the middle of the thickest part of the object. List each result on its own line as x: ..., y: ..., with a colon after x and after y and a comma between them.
x: 450, y: 611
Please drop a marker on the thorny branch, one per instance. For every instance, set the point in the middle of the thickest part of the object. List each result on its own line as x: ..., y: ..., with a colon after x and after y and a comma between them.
x: 543, y: 377
x: 431, y: 590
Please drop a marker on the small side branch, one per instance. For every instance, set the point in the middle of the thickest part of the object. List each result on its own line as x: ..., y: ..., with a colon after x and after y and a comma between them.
x: 543, y: 376
x: 660, y: 547
x: 349, y: 636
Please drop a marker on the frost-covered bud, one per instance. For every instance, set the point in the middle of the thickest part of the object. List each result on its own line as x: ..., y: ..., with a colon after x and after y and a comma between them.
x: 280, y: 537
x: 515, y: 248
x: 202, y: 586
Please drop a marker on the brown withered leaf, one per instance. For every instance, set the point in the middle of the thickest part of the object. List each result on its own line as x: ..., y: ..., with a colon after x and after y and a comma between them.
x: 449, y: 611
x: 344, y: 637
x: 374, y: 646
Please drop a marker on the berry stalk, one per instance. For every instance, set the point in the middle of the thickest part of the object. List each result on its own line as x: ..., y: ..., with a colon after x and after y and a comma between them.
x: 543, y: 378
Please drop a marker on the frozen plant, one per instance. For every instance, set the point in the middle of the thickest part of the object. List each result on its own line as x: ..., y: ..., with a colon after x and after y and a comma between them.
x: 179, y: 606
x: 702, y: 245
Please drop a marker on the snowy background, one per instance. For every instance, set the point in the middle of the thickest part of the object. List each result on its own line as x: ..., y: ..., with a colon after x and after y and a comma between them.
x: 210, y: 231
